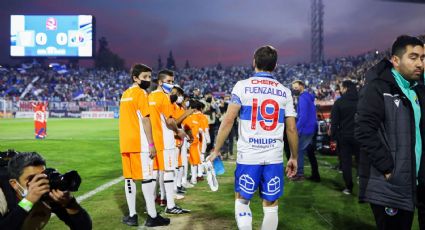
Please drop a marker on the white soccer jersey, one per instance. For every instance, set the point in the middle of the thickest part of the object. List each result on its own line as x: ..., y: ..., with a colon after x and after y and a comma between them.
x: 264, y: 105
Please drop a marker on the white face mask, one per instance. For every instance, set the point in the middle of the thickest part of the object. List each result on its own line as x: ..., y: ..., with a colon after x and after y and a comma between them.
x: 23, y: 191
x: 180, y: 99
x: 187, y: 104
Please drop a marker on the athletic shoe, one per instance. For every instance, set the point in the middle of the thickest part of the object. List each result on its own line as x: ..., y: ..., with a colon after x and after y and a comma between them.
x: 181, y: 190
x: 157, y: 221
x: 130, y: 220
x: 346, y: 191
x: 187, y: 185
x: 297, y: 178
x: 163, y: 203
x: 158, y: 199
x: 178, y: 196
x: 176, y: 210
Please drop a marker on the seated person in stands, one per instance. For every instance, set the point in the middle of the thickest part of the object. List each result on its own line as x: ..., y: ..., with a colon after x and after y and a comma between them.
x: 26, y: 200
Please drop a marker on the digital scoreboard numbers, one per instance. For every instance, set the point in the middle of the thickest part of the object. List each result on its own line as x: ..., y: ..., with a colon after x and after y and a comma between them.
x: 51, y: 36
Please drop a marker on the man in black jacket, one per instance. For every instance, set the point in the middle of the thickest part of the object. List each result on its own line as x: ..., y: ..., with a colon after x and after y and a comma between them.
x: 26, y: 200
x: 391, y: 129
x: 342, y: 129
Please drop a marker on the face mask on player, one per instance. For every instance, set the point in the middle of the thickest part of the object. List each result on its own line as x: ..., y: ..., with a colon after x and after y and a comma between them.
x: 167, y: 87
x: 144, y: 84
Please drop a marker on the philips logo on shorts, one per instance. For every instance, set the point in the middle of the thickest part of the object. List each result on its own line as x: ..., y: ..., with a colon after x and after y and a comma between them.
x: 247, y: 184
x: 262, y: 141
x: 273, y: 186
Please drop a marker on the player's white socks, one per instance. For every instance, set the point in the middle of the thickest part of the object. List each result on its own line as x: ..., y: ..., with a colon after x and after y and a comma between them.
x: 176, y: 174
x: 243, y: 214
x: 169, y: 188
x: 130, y: 195
x: 193, y: 169
x: 200, y: 170
x: 270, y: 219
x: 148, y: 188
x: 155, y: 181
x: 184, y: 157
x: 161, y: 185
x: 184, y: 174
x: 179, y: 177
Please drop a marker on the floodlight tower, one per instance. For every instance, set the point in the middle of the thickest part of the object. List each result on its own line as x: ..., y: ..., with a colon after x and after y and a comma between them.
x: 317, y: 13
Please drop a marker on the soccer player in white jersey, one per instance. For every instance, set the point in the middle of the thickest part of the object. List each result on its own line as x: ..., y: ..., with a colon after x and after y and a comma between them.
x: 264, y: 107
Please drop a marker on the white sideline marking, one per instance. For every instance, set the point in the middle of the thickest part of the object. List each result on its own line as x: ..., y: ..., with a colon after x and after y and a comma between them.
x: 99, y: 189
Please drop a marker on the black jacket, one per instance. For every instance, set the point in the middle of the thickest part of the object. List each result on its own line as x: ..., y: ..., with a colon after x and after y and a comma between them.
x: 16, y: 215
x: 342, y: 116
x: 385, y: 129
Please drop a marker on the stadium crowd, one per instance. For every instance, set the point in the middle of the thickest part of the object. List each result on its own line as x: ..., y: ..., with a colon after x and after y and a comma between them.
x: 35, y: 83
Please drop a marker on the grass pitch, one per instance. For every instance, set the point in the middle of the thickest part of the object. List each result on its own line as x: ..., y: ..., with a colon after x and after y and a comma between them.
x: 91, y: 147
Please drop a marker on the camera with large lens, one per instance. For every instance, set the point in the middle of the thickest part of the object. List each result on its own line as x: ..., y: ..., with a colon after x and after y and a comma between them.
x: 69, y: 181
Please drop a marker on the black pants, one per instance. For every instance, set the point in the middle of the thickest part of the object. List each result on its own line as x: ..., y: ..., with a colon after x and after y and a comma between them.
x: 212, y: 131
x: 420, y: 191
x: 311, y: 152
x: 348, y: 148
x: 401, y: 221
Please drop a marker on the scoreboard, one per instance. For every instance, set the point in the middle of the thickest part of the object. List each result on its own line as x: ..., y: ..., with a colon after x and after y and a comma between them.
x: 51, y: 35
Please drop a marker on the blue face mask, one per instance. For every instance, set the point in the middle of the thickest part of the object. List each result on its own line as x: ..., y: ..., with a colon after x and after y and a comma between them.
x: 167, y: 87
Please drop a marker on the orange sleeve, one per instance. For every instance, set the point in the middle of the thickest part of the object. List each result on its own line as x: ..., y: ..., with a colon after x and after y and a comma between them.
x: 166, y: 106
x: 143, y: 103
x: 186, y: 123
x: 178, y: 112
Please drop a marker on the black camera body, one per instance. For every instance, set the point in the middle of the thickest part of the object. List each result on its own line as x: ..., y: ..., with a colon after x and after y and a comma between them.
x: 69, y: 181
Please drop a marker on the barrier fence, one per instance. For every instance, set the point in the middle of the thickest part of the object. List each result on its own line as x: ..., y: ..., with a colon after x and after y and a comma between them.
x: 73, y: 109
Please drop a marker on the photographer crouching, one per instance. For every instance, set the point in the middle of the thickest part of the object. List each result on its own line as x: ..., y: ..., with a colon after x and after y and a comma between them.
x: 30, y: 193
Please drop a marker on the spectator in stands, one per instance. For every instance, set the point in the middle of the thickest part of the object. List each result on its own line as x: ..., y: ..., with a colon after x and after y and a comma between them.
x: 197, y: 94
x: 342, y: 130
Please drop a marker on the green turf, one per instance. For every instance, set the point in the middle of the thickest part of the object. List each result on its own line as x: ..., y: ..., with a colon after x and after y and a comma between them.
x: 91, y: 147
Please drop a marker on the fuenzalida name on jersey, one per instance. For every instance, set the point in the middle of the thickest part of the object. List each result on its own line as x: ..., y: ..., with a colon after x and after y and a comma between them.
x: 260, y: 87
x: 264, y: 105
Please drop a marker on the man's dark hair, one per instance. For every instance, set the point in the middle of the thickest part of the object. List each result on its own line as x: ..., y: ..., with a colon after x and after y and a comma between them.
x: 399, y: 46
x: 195, y: 104
x: 22, y: 160
x: 164, y: 73
x: 349, y: 85
x: 179, y: 89
x: 265, y: 58
x: 137, y: 69
x: 301, y: 83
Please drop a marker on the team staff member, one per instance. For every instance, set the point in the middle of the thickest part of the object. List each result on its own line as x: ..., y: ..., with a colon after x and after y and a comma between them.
x: 391, y: 130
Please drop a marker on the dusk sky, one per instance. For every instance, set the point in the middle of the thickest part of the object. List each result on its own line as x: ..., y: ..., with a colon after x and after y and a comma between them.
x: 228, y: 31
